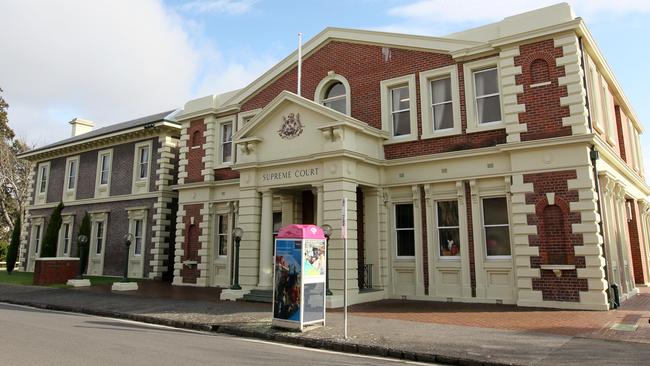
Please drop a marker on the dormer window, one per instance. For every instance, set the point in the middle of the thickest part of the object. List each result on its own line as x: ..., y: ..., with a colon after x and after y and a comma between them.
x: 335, y: 97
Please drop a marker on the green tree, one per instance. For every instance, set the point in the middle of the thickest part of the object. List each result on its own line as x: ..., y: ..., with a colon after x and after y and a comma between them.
x: 51, y: 238
x: 14, y: 175
x: 12, y: 253
x: 82, y: 251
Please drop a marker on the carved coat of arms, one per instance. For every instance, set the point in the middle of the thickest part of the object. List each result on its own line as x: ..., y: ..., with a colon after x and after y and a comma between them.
x: 291, y: 126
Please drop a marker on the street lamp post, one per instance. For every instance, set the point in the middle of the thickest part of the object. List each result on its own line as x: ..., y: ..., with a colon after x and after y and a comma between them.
x: 128, y: 238
x: 327, y: 230
x: 81, y: 242
x: 237, y: 234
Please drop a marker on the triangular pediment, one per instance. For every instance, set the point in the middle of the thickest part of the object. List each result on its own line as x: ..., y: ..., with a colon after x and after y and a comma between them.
x: 292, y: 127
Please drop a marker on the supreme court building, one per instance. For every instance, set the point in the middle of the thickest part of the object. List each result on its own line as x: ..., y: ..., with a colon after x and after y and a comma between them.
x: 500, y: 164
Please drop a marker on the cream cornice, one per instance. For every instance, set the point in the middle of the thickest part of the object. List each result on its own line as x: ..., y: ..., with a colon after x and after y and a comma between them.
x: 120, y: 198
x: 342, y: 153
x: 103, y: 141
x: 220, y: 183
x: 214, y: 112
x: 533, y: 144
x: 612, y: 158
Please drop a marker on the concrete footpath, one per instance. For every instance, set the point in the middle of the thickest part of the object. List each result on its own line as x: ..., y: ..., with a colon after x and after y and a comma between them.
x: 412, y: 340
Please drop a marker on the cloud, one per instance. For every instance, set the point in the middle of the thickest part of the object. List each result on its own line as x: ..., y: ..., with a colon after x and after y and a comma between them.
x: 219, y: 6
x: 479, y: 10
x: 105, y: 61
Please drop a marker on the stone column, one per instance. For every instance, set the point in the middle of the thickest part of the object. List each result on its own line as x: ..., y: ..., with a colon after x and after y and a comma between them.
x: 287, y: 210
x: 266, y: 241
x: 318, y: 192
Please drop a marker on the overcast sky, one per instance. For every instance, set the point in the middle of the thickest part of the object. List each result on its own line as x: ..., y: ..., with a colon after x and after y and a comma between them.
x: 110, y: 61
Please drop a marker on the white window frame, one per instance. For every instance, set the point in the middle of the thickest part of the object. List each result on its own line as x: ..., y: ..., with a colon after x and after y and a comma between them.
x: 61, y: 244
x: 426, y: 106
x: 607, y: 110
x: 141, y: 184
x: 470, y: 95
x: 324, y: 85
x: 37, y: 237
x: 483, y: 226
x: 137, y: 214
x: 395, y: 230
x: 98, y: 250
x: 387, y: 112
x: 244, y: 118
x: 221, y: 143
x: 103, y: 190
x: 42, y: 183
x: 593, y: 91
x: 218, y: 235
x: 70, y: 194
x: 438, y: 227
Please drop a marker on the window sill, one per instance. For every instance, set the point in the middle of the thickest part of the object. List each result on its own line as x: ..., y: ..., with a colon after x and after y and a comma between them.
x: 401, y: 139
x: 438, y: 134
x: 485, y: 127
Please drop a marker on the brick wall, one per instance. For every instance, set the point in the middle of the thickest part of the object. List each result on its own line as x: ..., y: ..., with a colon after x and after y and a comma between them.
x: 118, y: 225
x: 55, y: 180
x: 622, y: 131
x: 555, y: 238
x: 543, y: 116
x: 637, y: 248
x: 51, y: 271
x: 225, y: 173
x: 192, y: 243
x: 364, y: 67
x: 195, y: 151
x: 122, y: 169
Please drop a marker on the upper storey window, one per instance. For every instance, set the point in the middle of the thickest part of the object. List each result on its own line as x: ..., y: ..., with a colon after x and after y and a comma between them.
x: 335, y: 97
x: 42, y: 183
x: 440, y: 102
x: 142, y: 167
x: 399, y: 108
x: 334, y: 92
x: 226, y: 142
x: 488, y: 100
x: 103, y: 182
x: 71, y: 177
x: 483, y: 95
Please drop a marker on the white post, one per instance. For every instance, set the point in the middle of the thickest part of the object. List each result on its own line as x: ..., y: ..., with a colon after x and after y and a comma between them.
x: 344, y: 235
x: 299, y: 61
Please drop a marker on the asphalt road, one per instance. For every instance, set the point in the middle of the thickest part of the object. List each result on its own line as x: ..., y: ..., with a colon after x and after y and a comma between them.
x: 31, y: 336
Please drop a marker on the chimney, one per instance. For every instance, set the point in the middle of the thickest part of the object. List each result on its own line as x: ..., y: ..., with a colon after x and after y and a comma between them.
x: 81, y: 126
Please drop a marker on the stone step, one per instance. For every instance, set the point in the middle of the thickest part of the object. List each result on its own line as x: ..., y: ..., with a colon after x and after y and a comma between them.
x: 265, y: 296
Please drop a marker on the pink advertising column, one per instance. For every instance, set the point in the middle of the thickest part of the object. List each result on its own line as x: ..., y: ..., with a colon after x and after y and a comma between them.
x: 299, y: 277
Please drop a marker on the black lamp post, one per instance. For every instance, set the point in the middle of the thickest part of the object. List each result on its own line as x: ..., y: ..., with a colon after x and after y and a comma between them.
x: 128, y: 238
x: 237, y: 234
x: 81, y: 242
x: 327, y: 230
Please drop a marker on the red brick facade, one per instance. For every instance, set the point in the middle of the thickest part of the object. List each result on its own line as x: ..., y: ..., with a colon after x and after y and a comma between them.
x: 195, y: 151
x: 192, y: 244
x: 225, y: 173
x: 49, y: 271
x: 543, y: 116
x: 621, y: 129
x: 636, y: 244
x: 555, y: 239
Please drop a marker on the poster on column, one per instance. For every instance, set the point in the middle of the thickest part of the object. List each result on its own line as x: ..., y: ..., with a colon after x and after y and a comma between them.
x: 286, y: 302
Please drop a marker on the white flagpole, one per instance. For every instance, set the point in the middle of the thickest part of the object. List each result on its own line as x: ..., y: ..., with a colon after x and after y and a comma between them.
x: 344, y: 235
x: 299, y: 61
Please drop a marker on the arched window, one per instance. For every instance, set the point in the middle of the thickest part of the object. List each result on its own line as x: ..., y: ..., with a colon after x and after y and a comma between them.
x: 335, y: 97
x: 334, y: 92
x: 539, y: 72
x: 196, y: 138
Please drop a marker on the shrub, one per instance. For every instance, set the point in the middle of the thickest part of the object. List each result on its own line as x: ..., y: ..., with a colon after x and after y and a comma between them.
x: 51, y: 238
x: 12, y: 253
